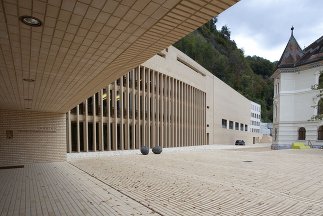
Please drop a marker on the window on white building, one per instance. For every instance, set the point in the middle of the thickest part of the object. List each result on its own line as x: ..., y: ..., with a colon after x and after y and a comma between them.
x: 237, y: 125
x: 230, y: 124
x: 301, y: 133
x: 224, y: 123
x: 320, y: 84
x: 320, y: 133
x: 320, y: 107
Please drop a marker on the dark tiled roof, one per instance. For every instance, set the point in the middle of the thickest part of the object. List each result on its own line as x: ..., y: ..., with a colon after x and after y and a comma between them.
x: 312, y: 53
x: 291, y: 55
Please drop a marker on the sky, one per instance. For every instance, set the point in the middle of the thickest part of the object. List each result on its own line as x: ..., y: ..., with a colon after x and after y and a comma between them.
x: 263, y: 27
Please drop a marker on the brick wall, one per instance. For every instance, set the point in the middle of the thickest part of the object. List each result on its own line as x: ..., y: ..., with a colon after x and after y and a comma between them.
x: 31, y: 137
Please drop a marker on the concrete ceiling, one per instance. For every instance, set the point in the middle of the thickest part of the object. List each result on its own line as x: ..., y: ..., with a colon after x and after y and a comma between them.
x: 83, y: 45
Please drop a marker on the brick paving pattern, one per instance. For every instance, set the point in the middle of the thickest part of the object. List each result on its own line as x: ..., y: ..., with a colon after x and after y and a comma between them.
x: 218, y: 182
x: 61, y: 189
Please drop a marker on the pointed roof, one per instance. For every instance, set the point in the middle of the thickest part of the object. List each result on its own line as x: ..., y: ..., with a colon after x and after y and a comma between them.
x: 291, y: 54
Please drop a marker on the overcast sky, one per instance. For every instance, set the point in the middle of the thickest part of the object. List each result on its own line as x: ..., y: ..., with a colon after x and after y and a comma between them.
x: 262, y: 27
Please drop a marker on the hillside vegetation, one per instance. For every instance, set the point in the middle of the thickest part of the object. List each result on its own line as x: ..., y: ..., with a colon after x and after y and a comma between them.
x: 214, y: 50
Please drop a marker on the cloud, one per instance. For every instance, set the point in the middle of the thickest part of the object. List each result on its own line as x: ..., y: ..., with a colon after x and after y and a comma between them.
x: 263, y: 27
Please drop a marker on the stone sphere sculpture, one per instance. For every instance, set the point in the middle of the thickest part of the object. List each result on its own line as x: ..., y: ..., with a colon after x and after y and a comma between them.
x: 144, y: 150
x: 157, y: 150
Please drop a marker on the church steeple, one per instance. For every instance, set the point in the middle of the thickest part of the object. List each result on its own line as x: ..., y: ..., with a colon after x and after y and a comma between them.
x: 291, y: 54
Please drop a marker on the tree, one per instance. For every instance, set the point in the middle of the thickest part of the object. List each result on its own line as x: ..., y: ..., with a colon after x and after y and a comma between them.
x: 226, y: 32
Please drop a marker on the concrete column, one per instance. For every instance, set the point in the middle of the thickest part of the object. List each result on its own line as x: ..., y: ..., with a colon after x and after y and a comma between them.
x: 178, y: 114
x: 204, y: 120
x: 138, y: 144
x: 121, y: 113
x: 199, y: 116
x: 101, y: 143
x: 143, y: 77
x: 173, y: 113
x: 127, y: 140
x: 191, y: 117
x: 94, y: 124
x: 133, y: 110
x: 114, y: 122
x: 78, y: 127
x: 86, y: 127
x: 153, y: 111
x: 181, y: 113
x: 69, y: 133
x: 162, y: 123
x: 149, y: 110
x: 166, y: 112
x: 169, y: 113
x: 194, y: 117
x: 157, y: 110
x: 109, y: 117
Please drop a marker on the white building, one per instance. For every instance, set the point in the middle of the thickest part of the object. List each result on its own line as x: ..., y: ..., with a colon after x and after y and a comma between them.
x: 255, y: 117
x: 296, y: 101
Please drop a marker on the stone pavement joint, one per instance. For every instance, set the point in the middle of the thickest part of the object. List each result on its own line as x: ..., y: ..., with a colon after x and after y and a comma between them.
x: 112, y: 187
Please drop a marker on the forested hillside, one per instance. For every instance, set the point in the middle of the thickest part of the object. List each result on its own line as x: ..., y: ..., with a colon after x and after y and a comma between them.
x: 215, y: 51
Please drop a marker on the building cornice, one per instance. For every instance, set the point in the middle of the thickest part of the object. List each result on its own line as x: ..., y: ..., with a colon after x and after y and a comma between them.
x: 297, y: 68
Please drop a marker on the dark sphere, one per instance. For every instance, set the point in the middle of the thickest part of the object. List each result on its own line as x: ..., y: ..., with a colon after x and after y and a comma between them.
x: 144, y: 150
x: 157, y: 150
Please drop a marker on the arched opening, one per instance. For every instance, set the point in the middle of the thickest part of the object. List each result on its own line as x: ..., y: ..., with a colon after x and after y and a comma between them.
x: 320, y: 85
x: 320, y: 107
x: 320, y: 133
x: 301, y: 133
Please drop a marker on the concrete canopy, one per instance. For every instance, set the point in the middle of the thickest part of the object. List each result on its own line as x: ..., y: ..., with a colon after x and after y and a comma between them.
x: 82, y: 45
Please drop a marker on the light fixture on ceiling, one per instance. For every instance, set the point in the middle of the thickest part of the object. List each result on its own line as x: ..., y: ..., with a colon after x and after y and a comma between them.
x: 28, y: 80
x: 30, y: 20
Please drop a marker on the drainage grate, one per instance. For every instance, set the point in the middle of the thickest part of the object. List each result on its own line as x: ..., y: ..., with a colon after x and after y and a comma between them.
x: 12, y: 167
x: 247, y: 161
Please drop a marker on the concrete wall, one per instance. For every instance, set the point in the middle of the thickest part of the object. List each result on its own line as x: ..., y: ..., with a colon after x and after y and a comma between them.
x: 36, y: 137
x: 222, y: 101
x: 230, y: 105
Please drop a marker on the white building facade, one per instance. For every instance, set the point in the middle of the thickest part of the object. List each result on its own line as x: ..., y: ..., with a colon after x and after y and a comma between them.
x: 296, y: 100
x: 255, y: 117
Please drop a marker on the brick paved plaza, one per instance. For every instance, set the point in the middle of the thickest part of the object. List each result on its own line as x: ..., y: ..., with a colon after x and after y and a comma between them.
x: 213, y: 182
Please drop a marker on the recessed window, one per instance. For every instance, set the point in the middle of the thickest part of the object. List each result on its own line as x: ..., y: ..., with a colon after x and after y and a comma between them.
x: 207, y: 125
x: 320, y: 133
x: 301, y: 133
x: 231, y: 125
x: 241, y: 127
x: 236, y: 126
x: 246, y: 127
x: 224, y: 123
